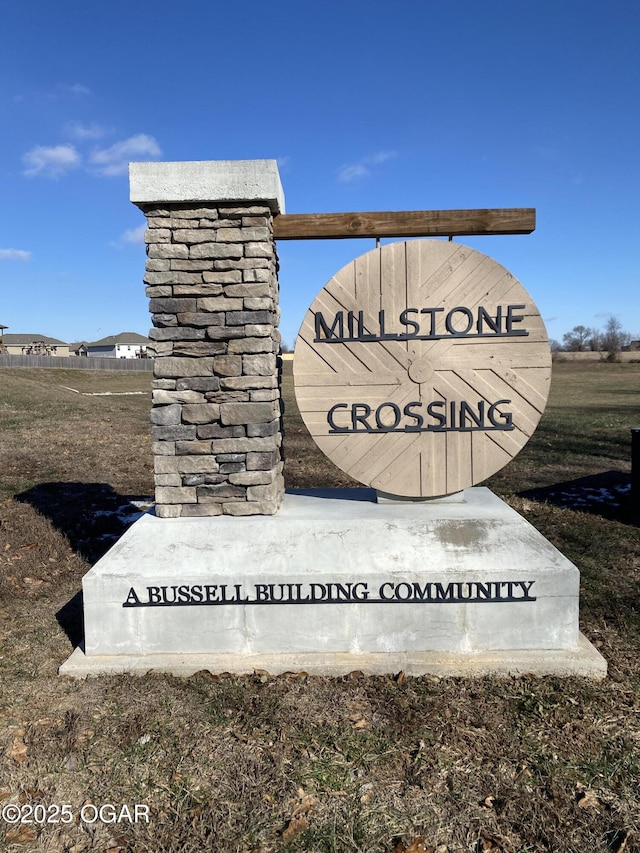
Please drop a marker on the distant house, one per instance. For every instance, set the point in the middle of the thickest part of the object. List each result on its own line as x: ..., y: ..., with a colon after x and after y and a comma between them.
x: 79, y: 348
x: 2, y: 328
x: 35, y: 344
x: 124, y: 345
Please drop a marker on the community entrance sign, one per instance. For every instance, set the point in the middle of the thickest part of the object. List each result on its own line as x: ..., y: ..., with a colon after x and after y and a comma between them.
x: 422, y: 368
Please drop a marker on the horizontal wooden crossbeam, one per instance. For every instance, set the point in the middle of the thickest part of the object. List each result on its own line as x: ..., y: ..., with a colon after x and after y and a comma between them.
x: 408, y: 223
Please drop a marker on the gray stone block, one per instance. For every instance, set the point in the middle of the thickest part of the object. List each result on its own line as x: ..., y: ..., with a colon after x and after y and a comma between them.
x: 171, y: 305
x: 223, y: 276
x: 219, y: 304
x: 177, y: 333
x: 259, y: 365
x: 177, y: 367
x: 246, y: 413
x: 257, y: 275
x: 157, y: 265
x: 193, y: 447
x: 163, y: 321
x: 201, y: 510
x: 219, y: 431
x: 252, y: 478
x: 220, y: 491
x: 259, y: 250
x: 198, y: 383
x: 212, y: 250
x: 173, y: 433
x: 161, y: 397
x: 198, y: 290
x: 200, y: 318
x: 200, y: 413
x: 195, y: 235
x: 199, y: 348
x: 227, y: 365
x: 168, y: 250
x: 157, y: 235
x: 175, y: 495
x: 242, y: 383
x: 190, y: 266
x: 224, y: 333
x: 262, y: 461
x: 166, y: 415
x: 243, y: 318
x: 243, y: 235
x: 251, y: 345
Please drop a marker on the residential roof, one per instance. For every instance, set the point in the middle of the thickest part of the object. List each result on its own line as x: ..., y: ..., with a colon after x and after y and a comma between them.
x: 28, y: 338
x: 122, y: 338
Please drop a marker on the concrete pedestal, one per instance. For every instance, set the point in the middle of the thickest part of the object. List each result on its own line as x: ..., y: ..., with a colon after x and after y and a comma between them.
x: 336, y: 582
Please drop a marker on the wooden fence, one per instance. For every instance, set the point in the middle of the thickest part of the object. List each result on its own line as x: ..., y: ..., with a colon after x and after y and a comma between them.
x: 77, y: 362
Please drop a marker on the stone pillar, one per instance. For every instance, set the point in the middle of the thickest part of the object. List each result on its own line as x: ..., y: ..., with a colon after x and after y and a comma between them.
x: 213, y: 287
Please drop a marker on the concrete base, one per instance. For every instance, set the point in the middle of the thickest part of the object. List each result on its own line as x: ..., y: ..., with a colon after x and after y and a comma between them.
x: 582, y: 661
x: 336, y: 582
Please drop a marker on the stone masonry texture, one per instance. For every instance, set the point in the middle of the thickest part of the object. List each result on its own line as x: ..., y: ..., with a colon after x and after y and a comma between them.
x: 212, y: 281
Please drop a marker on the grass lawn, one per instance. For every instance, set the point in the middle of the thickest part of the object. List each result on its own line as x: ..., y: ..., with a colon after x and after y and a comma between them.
x: 294, y: 763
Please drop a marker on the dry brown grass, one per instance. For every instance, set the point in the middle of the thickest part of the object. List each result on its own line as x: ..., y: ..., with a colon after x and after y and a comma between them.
x: 296, y: 763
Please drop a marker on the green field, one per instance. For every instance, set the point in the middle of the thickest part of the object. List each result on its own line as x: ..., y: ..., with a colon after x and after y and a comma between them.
x: 296, y: 763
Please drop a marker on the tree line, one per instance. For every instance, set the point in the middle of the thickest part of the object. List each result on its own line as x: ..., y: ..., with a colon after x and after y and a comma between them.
x: 612, y: 339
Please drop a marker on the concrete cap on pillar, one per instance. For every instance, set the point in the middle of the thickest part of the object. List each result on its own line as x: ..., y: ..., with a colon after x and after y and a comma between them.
x: 239, y: 181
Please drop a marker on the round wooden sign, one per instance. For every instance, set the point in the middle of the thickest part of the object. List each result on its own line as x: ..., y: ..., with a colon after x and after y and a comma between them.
x: 422, y: 368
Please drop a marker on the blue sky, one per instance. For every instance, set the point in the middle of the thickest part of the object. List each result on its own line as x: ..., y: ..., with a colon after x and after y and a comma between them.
x: 366, y: 105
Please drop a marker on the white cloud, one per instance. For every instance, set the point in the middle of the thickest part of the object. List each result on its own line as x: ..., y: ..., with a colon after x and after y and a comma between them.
x: 14, y: 255
x: 353, y: 172
x: 134, y: 235
x: 382, y: 156
x: 115, y: 159
x: 350, y: 172
x: 50, y: 161
x: 79, y: 89
x: 85, y: 131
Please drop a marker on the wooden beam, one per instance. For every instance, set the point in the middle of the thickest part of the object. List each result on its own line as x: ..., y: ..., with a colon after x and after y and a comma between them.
x: 408, y: 223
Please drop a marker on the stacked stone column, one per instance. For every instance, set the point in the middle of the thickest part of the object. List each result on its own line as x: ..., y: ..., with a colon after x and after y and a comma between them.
x: 211, y: 276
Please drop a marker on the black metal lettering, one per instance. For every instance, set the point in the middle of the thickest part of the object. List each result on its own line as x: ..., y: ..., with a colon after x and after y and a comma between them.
x: 132, y: 598
x: 397, y: 417
x: 330, y: 417
x: 421, y: 592
x: 507, y: 417
x: 415, y: 415
x: 438, y: 416
x: 432, y: 312
x: 360, y: 418
x: 512, y: 318
x: 466, y: 410
x: 329, y: 332
x: 443, y: 594
x: 261, y: 591
x: 407, y: 322
x: 449, y: 321
x: 485, y: 317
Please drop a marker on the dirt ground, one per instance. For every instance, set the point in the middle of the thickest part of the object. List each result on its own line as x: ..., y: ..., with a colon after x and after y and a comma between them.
x: 295, y: 763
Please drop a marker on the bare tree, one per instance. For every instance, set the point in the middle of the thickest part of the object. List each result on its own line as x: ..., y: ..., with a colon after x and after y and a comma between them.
x: 614, y: 338
x: 577, y: 340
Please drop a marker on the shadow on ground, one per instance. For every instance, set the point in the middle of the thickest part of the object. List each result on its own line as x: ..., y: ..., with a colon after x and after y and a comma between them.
x: 93, y: 517
x: 607, y: 494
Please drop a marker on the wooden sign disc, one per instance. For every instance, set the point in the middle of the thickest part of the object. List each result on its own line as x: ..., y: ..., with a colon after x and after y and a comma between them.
x: 422, y: 368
